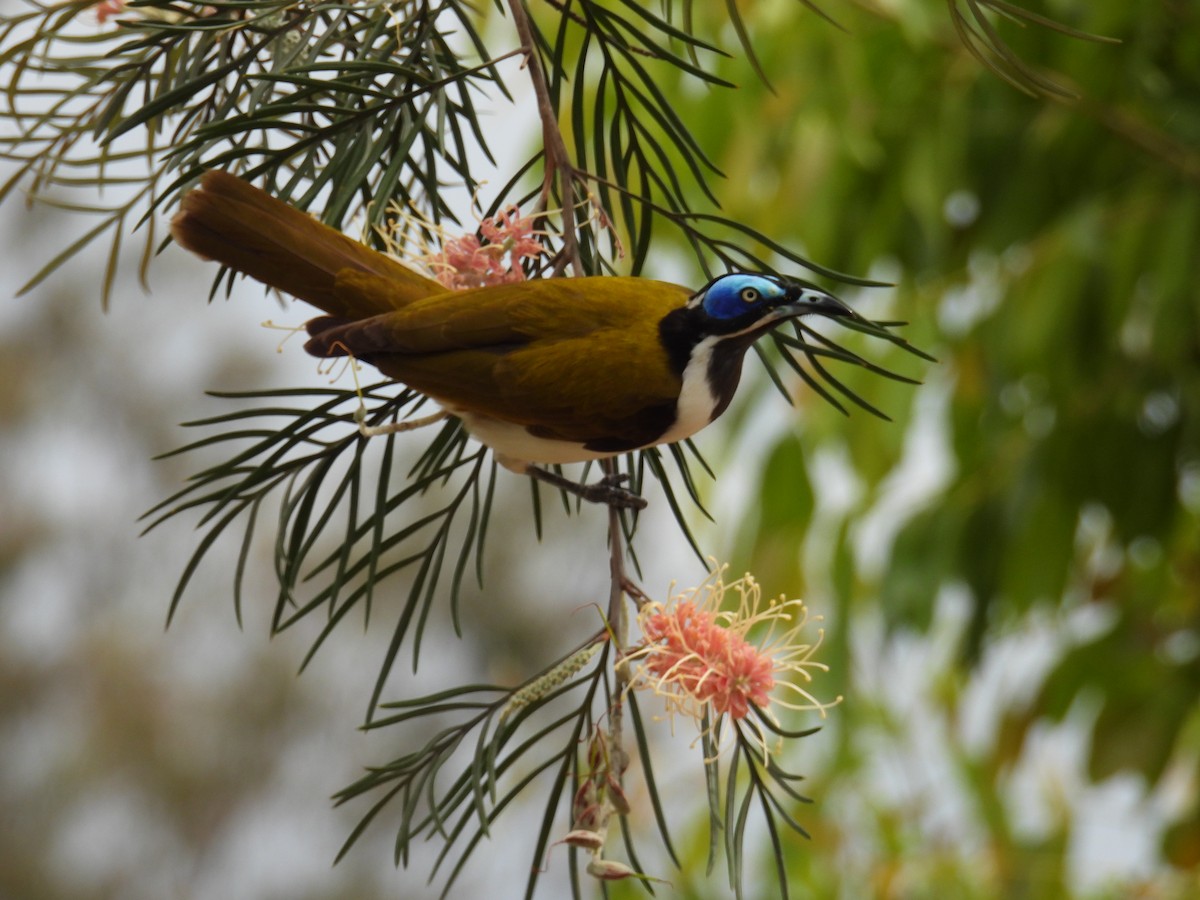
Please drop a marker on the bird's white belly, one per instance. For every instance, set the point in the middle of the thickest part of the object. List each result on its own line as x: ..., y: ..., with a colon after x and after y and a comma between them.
x: 513, y: 443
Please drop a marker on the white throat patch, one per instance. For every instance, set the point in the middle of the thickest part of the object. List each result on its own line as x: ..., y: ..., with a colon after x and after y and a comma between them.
x: 696, y: 400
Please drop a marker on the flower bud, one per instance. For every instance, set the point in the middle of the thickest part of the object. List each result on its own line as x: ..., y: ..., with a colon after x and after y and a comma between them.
x: 584, y: 840
x: 616, y: 795
x: 609, y: 870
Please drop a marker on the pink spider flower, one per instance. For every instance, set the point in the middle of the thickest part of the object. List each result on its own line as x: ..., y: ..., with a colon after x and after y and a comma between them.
x: 508, y: 228
x: 106, y: 9
x: 468, y: 262
x: 700, y: 656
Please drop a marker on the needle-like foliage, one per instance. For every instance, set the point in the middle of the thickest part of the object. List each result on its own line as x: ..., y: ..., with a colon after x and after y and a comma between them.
x: 976, y: 23
x: 355, y: 109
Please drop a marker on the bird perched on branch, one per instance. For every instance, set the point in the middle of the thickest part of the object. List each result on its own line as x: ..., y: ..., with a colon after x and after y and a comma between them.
x: 544, y: 371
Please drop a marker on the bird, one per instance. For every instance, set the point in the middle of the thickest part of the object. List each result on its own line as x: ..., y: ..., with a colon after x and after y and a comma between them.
x: 543, y: 371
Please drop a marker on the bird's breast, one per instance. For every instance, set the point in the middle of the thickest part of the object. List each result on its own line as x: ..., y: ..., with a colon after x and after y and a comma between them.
x: 698, y: 404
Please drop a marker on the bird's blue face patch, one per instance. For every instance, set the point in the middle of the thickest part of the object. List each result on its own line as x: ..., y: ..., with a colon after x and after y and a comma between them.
x: 731, y: 296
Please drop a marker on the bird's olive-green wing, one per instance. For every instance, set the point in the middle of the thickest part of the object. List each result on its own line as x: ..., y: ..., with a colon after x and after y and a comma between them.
x: 501, y: 316
x: 572, y: 359
x: 612, y: 391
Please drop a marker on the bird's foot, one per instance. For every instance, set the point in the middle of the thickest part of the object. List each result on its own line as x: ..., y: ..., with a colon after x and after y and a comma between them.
x: 608, y: 490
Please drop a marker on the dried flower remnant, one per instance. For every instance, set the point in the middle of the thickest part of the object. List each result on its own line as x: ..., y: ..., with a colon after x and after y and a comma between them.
x: 597, y: 799
x: 700, y: 656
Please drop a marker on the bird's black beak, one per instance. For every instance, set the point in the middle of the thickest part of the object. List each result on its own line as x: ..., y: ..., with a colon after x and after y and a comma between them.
x: 803, y: 300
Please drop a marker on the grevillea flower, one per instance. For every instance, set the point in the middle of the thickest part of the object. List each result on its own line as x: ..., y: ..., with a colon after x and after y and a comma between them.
x: 468, y: 262
x: 106, y: 9
x: 495, y: 254
x: 700, y: 656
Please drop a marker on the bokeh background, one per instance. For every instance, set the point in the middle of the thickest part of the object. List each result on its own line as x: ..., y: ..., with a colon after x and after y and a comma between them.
x: 1009, y: 571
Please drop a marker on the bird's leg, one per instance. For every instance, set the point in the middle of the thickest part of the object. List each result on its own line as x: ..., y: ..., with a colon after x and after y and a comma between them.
x: 607, y: 490
x: 403, y: 425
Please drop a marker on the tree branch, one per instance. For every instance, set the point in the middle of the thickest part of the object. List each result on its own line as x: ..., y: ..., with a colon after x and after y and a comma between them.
x: 559, y: 164
x: 558, y: 161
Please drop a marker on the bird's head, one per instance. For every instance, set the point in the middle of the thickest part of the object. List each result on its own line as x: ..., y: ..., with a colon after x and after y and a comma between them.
x: 745, y: 304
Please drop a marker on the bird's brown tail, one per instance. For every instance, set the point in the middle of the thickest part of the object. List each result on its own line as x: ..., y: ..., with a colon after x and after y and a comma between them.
x: 232, y: 222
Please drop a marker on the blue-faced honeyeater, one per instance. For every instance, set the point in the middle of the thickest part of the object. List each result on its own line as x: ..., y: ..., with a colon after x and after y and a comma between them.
x: 543, y: 371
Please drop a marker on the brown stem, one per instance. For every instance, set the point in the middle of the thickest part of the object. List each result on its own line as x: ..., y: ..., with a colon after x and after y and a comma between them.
x: 618, y: 626
x: 558, y: 161
x: 616, y: 566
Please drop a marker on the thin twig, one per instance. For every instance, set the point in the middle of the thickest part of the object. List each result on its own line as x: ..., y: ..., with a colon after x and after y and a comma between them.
x: 558, y: 161
x: 618, y: 626
x: 560, y: 164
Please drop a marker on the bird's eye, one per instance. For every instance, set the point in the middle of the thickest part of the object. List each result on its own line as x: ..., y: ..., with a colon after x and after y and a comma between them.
x: 750, y: 295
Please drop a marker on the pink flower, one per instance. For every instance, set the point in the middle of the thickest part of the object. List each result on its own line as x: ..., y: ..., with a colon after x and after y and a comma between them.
x: 106, y: 9
x: 514, y: 231
x: 467, y: 262
x: 702, y: 657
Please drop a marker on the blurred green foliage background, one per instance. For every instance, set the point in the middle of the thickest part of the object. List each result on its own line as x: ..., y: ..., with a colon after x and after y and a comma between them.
x: 1042, y: 492
x: 1009, y: 571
